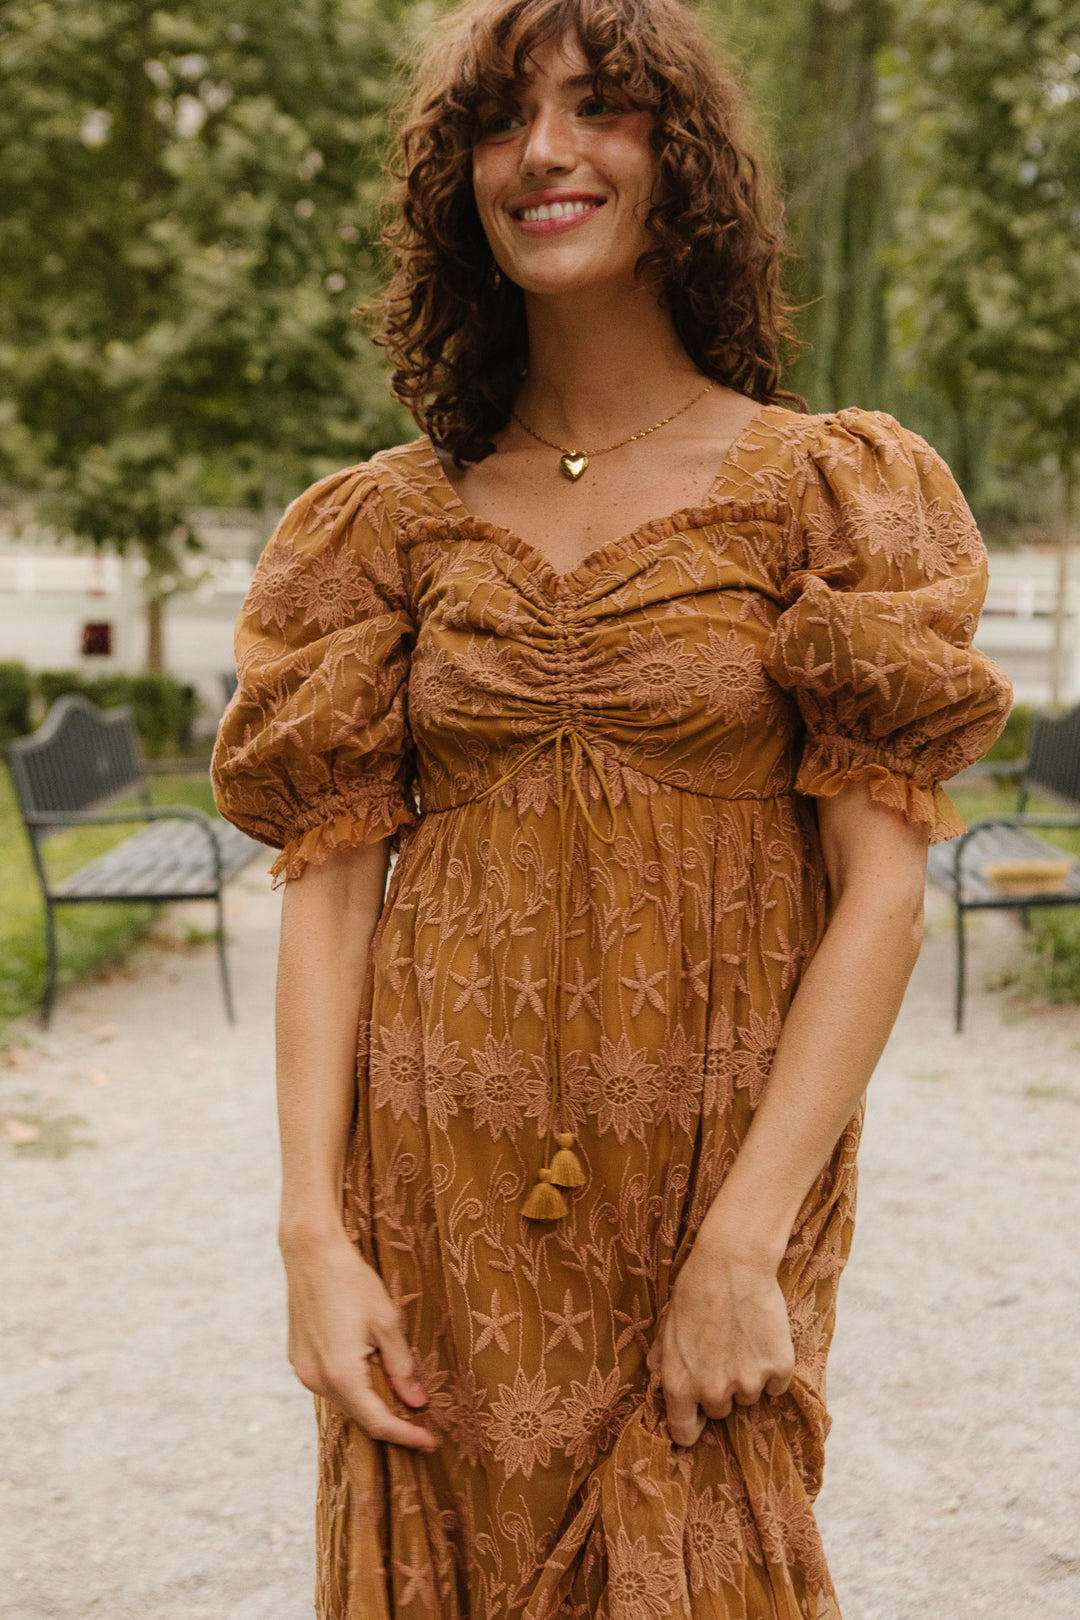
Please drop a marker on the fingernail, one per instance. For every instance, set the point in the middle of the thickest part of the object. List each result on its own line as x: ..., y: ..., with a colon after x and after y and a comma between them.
x: 416, y: 1391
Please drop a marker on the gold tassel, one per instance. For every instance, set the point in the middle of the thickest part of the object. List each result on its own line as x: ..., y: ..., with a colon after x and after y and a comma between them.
x: 545, y: 1202
x: 566, y: 1168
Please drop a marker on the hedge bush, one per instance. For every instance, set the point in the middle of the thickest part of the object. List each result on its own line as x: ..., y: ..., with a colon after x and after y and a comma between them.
x: 1014, y: 740
x: 163, y: 708
x: 16, y: 691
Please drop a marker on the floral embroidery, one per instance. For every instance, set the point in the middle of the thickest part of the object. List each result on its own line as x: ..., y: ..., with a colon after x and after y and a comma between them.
x: 277, y: 592
x: 622, y: 1089
x: 657, y: 674
x: 334, y: 591
x: 731, y: 681
x: 644, y: 1584
x: 500, y: 1089
x: 595, y: 1412
x: 714, y: 1549
x: 523, y: 1428
x: 809, y: 626
x: 397, y: 1069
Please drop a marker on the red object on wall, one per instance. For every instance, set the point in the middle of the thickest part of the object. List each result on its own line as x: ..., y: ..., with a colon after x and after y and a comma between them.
x: 97, y: 640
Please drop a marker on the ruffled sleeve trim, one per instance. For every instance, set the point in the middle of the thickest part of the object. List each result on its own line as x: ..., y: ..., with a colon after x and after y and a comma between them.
x: 367, y: 824
x: 832, y: 763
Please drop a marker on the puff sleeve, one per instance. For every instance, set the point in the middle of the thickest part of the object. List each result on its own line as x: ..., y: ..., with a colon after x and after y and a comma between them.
x: 313, y: 752
x: 879, y: 609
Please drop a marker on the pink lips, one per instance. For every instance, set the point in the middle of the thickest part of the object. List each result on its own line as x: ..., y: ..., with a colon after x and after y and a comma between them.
x: 551, y: 227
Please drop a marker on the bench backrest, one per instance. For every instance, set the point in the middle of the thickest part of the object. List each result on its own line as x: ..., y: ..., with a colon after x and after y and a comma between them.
x: 81, y: 757
x: 1053, y: 760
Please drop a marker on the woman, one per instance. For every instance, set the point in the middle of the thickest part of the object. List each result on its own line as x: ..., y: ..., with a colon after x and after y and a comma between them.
x: 649, y: 931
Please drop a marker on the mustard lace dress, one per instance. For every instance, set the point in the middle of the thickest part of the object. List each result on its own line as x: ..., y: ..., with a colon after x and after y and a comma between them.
x: 609, y: 884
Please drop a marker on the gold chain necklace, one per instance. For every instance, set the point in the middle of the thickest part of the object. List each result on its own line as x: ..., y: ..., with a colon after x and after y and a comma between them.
x: 572, y: 463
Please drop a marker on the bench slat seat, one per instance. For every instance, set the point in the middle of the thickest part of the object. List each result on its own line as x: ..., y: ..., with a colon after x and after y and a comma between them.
x: 987, y: 846
x: 170, y: 860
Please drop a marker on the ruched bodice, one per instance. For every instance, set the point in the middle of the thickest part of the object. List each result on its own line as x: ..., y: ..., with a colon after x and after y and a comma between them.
x: 610, y: 880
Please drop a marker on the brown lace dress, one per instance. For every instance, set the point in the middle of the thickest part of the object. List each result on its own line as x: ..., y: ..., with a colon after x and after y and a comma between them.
x: 605, y: 897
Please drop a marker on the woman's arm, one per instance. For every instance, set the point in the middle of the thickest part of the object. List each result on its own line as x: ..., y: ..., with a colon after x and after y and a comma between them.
x: 339, y: 1310
x: 726, y: 1336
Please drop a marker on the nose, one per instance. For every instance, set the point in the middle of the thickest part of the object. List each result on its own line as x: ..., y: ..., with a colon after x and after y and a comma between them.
x: 550, y: 147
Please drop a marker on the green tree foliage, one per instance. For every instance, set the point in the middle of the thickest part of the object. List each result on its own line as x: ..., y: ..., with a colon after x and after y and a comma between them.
x: 986, y: 293
x: 188, y: 197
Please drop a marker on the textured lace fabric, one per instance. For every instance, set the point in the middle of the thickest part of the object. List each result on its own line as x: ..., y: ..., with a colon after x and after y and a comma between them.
x: 808, y: 626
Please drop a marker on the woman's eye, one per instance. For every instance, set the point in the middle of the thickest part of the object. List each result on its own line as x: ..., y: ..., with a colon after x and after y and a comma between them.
x: 497, y: 123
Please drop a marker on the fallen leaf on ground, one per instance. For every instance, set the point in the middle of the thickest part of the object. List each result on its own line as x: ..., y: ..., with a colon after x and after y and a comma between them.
x: 17, y: 1132
x: 106, y: 1032
x: 99, y: 1078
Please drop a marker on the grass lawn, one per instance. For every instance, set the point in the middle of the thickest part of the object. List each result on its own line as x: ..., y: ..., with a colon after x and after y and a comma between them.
x: 90, y: 937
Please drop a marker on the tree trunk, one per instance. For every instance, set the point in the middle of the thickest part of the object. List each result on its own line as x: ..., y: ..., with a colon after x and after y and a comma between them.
x: 1059, y: 671
x: 155, y: 634
x: 839, y: 207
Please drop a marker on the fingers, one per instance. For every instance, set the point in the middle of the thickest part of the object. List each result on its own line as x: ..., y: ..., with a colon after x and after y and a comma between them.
x: 397, y: 1360
x: 685, y: 1418
x: 377, y: 1421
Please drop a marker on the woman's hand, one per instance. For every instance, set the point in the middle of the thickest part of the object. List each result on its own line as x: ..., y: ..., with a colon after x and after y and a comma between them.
x: 339, y: 1313
x: 725, y: 1338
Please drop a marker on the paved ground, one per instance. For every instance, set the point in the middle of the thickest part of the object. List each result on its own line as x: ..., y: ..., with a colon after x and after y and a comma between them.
x: 156, y: 1458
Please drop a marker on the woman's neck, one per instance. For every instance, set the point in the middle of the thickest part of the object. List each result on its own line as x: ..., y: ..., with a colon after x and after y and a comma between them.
x: 599, y: 365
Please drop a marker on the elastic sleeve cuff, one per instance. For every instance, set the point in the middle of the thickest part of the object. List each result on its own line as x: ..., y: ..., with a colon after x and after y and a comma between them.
x: 830, y: 764
x: 369, y: 823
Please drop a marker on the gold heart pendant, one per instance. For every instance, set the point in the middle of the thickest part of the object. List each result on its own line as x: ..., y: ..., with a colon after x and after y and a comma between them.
x: 573, y: 465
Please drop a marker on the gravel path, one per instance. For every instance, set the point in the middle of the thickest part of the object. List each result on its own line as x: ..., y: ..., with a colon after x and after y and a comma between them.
x: 156, y: 1456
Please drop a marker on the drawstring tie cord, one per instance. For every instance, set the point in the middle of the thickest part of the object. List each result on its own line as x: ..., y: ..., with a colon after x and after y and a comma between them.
x: 546, y: 1202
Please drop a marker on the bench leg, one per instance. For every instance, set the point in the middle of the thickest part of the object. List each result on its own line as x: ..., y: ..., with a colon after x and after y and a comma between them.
x: 51, y: 966
x: 226, y: 987
x: 961, y: 968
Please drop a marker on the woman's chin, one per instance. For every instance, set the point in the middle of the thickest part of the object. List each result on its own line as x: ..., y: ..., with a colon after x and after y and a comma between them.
x: 572, y: 281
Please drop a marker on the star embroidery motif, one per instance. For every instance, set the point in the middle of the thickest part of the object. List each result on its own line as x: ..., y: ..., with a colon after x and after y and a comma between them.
x: 645, y: 986
x: 635, y: 1329
x: 473, y: 987
x: 528, y: 990
x: 695, y: 982
x: 494, y: 1325
x: 567, y: 1323
x: 582, y: 994
x: 398, y: 961
x: 418, y: 1583
x: 637, y: 1474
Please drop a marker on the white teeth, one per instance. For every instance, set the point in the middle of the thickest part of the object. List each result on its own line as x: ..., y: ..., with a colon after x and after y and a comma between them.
x: 556, y: 211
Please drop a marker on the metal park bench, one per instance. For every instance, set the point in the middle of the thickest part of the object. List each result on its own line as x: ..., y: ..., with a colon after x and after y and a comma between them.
x: 1001, y: 862
x: 82, y: 760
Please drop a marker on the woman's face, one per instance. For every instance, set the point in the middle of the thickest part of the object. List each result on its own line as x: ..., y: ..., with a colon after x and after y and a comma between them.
x: 563, y: 180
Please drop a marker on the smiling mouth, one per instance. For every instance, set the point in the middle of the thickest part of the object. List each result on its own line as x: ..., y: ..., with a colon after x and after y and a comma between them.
x: 557, y: 210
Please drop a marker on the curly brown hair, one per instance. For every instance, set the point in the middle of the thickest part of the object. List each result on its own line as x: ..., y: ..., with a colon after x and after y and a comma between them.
x: 455, y: 332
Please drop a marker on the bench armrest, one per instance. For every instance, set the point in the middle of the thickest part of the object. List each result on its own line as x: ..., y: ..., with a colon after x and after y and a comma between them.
x: 107, y: 818
x: 1022, y: 818
x: 1016, y: 819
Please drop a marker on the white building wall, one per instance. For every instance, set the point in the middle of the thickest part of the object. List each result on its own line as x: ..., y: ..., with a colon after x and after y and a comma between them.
x: 49, y: 591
